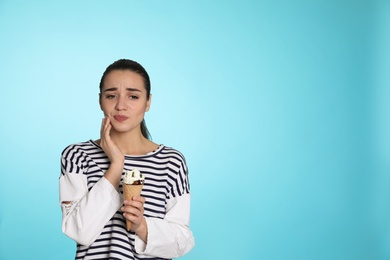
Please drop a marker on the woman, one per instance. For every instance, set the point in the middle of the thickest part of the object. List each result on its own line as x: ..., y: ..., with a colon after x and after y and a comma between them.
x: 94, y: 213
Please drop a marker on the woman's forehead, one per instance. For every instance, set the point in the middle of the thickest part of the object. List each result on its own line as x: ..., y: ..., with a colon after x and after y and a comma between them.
x: 123, y: 79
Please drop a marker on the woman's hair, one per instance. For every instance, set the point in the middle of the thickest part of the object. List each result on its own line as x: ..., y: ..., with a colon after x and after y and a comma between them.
x: 125, y: 64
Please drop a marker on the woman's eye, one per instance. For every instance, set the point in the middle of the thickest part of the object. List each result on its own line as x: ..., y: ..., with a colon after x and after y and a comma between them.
x: 110, y: 96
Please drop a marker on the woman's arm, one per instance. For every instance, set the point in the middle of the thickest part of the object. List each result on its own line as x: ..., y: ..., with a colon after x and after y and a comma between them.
x: 85, y: 213
x: 169, y: 237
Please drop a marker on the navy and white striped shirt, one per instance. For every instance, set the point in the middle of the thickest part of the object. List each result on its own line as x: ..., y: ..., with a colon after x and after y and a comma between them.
x: 95, y: 212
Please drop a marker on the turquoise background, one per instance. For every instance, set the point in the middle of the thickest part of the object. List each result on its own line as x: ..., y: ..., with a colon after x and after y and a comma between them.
x: 280, y: 107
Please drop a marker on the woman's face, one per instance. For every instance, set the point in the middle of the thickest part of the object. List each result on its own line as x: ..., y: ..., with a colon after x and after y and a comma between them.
x: 123, y: 99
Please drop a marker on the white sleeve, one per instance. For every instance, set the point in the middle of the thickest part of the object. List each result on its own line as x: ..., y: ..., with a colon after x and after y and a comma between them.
x: 169, y: 237
x: 88, y: 211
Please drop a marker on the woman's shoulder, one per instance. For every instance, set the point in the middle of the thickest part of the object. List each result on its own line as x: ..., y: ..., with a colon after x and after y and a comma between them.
x: 172, y: 152
x: 78, y: 147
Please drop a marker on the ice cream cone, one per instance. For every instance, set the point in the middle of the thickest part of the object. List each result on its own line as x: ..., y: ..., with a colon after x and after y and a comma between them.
x: 129, y: 192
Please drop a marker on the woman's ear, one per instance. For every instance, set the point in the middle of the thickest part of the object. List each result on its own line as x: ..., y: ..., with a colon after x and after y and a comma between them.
x: 148, y: 103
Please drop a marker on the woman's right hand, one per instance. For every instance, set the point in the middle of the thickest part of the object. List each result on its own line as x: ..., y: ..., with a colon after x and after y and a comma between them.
x: 117, y: 158
x: 109, y: 147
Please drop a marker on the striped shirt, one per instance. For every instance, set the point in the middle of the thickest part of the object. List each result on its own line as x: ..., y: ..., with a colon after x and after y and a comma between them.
x: 96, y: 211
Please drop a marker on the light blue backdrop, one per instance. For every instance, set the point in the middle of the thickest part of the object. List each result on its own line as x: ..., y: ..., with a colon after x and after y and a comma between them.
x: 280, y: 107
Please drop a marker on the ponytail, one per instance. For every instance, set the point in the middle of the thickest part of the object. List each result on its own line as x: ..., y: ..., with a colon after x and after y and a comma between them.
x: 145, y: 131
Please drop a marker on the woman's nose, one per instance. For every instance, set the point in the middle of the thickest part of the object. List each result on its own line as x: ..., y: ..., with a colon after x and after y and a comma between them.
x: 121, y: 103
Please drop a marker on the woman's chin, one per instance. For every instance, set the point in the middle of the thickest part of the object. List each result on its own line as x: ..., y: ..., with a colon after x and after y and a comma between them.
x: 120, y: 129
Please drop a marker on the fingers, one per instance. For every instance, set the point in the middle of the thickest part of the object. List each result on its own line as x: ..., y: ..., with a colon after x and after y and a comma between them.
x: 136, y: 198
x: 102, y: 127
x: 137, y: 202
x: 132, y: 213
x: 105, y: 139
x: 109, y: 147
x: 133, y: 210
x: 105, y: 128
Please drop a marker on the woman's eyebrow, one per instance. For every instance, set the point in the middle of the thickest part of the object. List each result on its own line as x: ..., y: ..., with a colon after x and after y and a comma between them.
x: 128, y: 89
x: 110, y: 89
x: 133, y: 89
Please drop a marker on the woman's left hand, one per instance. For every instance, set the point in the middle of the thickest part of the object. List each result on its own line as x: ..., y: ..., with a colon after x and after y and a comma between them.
x: 133, y: 210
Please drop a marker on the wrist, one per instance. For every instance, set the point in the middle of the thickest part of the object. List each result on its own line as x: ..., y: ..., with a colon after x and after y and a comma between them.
x: 142, y: 230
x: 117, y: 164
x: 114, y: 173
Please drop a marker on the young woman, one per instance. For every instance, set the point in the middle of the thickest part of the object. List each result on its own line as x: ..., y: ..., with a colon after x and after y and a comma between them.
x: 94, y: 212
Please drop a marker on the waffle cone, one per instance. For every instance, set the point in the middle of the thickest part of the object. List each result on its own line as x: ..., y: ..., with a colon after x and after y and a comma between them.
x: 129, y: 191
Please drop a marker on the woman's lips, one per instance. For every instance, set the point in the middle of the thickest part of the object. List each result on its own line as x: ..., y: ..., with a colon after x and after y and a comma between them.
x: 120, y: 118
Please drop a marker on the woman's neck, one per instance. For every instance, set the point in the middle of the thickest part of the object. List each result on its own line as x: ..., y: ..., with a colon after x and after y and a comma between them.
x: 133, y: 143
